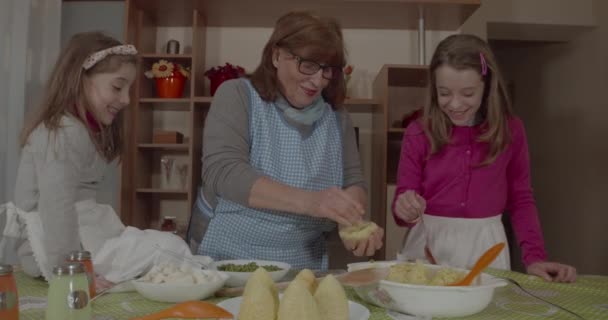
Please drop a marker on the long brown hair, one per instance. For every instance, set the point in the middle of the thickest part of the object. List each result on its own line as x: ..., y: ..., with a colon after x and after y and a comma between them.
x: 462, y: 52
x: 321, y: 37
x: 65, y: 91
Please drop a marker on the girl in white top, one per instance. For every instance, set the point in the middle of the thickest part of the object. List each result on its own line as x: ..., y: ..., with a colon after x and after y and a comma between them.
x: 70, y: 139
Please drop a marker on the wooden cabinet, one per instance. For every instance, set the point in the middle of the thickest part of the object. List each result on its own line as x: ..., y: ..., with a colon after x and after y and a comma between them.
x: 401, y: 90
x: 162, y: 179
x: 145, y: 194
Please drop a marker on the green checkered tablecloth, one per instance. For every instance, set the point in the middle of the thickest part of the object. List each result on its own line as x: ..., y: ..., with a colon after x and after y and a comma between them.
x: 587, y: 297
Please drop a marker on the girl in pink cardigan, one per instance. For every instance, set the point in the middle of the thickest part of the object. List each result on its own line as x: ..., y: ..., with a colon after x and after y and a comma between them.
x: 464, y: 163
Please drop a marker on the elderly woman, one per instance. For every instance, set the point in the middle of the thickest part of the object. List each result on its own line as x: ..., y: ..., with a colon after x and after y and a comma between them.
x: 281, y: 167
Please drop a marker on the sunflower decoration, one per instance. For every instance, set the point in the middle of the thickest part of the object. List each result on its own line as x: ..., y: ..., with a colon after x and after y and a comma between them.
x: 166, y: 69
x: 185, y: 72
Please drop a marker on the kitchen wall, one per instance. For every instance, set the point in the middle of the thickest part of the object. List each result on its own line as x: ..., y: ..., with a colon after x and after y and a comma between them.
x: 559, y: 88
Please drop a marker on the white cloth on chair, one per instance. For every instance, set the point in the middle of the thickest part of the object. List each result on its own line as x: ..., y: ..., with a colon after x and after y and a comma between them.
x: 135, y: 251
x: 97, y: 223
x: 118, y: 253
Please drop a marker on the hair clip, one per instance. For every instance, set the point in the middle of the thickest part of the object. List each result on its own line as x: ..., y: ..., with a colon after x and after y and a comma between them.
x: 125, y: 49
x: 484, y: 65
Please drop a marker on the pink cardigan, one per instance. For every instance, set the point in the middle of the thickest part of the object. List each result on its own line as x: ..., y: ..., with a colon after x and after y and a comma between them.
x: 454, y: 186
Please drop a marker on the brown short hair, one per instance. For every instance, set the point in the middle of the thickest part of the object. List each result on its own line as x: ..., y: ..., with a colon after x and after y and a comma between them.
x: 320, y: 36
x: 463, y: 51
x: 65, y: 90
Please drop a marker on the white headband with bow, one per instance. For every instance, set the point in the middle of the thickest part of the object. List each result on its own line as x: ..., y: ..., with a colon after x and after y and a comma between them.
x: 125, y: 49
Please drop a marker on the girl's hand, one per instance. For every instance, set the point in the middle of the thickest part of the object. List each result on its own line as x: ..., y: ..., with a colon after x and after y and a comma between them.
x: 366, y: 247
x: 552, y: 271
x: 410, y: 206
x: 337, y: 205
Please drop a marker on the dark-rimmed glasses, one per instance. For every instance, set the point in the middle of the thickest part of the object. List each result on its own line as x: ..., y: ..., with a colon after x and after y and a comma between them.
x: 309, y: 68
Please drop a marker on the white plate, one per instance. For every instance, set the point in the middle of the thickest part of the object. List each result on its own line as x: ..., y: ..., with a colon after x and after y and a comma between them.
x: 355, y: 310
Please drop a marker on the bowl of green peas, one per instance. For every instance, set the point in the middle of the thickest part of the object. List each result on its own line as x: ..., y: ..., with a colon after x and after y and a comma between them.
x: 239, y: 271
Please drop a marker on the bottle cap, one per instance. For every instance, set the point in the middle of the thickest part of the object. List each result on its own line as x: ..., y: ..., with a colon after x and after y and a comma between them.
x: 79, y: 255
x: 69, y: 269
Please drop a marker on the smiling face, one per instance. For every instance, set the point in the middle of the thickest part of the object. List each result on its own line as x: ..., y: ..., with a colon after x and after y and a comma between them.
x: 298, y: 88
x: 108, y: 92
x: 459, y: 93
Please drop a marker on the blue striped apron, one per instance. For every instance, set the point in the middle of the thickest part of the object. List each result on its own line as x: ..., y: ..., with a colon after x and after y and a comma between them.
x: 281, y: 152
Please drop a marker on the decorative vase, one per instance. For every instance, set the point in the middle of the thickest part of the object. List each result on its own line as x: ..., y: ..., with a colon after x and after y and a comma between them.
x: 170, y: 87
x: 217, y: 75
x: 216, y: 80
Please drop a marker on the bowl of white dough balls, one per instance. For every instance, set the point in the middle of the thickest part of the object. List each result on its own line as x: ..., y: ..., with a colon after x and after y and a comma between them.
x: 168, y: 282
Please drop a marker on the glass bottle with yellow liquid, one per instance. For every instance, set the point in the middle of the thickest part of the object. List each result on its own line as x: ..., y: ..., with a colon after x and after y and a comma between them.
x: 68, y: 296
x: 84, y: 257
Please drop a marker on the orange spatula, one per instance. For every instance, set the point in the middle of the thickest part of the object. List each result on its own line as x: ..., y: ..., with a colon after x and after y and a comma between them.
x: 190, y: 310
x: 483, y: 261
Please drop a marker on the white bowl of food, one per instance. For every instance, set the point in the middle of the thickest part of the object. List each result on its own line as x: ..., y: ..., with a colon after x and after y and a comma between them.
x: 239, y: 271
x: 169, y: 283
x: 421, y: 291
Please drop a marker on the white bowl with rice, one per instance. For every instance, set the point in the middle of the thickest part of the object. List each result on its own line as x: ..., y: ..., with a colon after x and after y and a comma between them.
x: 424, y: 299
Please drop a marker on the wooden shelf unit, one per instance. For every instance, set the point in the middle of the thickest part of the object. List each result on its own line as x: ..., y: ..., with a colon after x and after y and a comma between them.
x: 401, y: 89
x: 147, y: 195
x: 142, y: 201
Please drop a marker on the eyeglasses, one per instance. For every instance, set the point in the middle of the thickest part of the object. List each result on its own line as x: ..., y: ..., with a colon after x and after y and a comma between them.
x: 309, y: 67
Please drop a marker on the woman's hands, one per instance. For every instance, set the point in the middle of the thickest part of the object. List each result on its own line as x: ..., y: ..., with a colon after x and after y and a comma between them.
x: 337, y: 205
x: 552, y: 271
x: 410, y: 206
x: 347, y: 208
x: 366, y: 246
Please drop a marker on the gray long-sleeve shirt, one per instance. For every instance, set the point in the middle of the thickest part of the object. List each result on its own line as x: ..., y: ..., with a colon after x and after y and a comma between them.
x: 226, y: 171
x: 57, y: 169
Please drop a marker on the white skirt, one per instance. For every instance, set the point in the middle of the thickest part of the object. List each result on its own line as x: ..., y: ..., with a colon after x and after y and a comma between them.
x: 457, y: 242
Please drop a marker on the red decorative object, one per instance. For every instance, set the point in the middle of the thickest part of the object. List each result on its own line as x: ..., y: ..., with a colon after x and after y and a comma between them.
x: 170, y: 78
x: 217, y: 75
x: 170, y: 87
x: 169, y: 224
